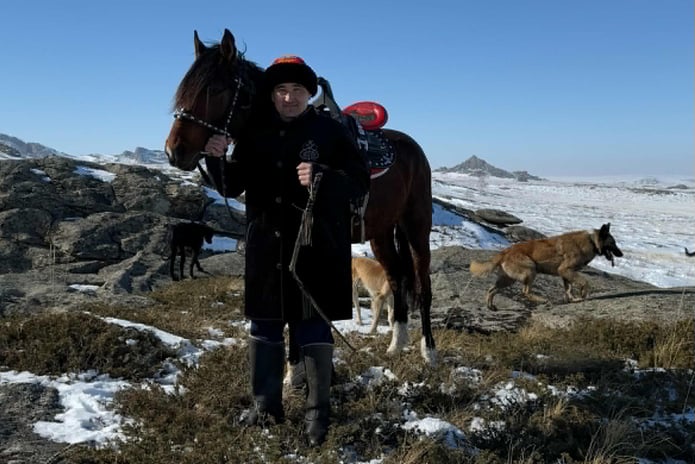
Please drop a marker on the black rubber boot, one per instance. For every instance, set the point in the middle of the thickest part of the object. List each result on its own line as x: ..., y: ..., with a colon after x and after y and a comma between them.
x: 318, y: 363
x: 267, y: 361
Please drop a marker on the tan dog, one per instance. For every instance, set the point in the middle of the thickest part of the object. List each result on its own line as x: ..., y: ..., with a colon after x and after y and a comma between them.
x: 373, y: 278
x: 561, y: 255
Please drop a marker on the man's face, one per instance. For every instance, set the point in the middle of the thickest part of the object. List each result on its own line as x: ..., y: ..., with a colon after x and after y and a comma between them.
x: 290, y: 100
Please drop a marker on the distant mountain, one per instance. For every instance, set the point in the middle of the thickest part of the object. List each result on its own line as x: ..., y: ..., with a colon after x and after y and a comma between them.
x: 475, y: 166
x: 14, y: 148
x: 145, y: 156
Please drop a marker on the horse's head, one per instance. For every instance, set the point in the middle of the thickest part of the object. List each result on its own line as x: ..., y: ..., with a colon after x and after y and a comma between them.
x: 214, y: 97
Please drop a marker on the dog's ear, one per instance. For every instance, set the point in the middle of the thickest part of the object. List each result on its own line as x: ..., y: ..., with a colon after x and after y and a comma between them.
x: 605, y: 230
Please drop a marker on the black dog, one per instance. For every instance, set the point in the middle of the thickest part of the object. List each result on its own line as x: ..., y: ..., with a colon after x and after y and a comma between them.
x: 688, y: 253
x: 188, y: 235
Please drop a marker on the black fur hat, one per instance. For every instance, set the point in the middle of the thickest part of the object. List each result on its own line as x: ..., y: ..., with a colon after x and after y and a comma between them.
x: 291, y: 68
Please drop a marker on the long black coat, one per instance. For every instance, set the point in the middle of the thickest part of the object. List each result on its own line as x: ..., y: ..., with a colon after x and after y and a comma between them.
x: 264, y: 166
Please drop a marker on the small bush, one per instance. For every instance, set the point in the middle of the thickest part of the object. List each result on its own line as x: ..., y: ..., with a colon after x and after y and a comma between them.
x: 57, y: 343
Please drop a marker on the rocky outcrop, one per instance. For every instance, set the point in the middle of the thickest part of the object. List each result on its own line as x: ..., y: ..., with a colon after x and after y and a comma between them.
x: 65, y: 222
x: 493, y: 220
x: 497, y: 217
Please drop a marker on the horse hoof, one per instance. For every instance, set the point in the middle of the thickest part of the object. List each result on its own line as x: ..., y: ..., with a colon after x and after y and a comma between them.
x: 393, y: 350
x: 399, y: 338
x: 428, y: 354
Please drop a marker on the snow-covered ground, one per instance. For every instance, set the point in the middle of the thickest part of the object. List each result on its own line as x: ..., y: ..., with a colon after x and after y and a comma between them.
x: 650, y: 219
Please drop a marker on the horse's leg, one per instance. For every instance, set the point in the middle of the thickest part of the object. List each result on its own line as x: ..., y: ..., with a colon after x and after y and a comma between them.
x: 420, y: 249
x: 385, y: 252
x: 414, y: 250
x: 295, y: 377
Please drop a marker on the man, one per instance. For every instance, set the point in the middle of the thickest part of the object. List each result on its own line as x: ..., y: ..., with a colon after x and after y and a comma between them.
x: 277, y: 165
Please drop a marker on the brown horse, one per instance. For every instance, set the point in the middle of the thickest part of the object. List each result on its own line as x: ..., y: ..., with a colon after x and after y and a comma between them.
x: 218, y: 95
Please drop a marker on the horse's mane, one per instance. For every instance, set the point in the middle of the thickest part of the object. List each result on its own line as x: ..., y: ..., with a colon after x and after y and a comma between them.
x: 207, y: 69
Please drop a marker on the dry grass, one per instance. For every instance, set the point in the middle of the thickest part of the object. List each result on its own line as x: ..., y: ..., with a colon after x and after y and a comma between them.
x: 200, y: 423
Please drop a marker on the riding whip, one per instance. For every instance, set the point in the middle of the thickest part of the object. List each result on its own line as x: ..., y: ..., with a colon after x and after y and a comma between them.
x: 304, y: 239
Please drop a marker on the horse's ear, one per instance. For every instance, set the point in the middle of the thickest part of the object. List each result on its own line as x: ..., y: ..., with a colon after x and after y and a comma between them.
x: 228, y: 46
x: 198, y: 45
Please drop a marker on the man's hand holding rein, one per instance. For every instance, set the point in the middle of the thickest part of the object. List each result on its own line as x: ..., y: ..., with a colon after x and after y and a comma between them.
x: 217, y: 145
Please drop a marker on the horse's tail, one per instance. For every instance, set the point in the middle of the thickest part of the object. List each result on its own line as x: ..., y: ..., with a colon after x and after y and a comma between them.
x: 483, y: 268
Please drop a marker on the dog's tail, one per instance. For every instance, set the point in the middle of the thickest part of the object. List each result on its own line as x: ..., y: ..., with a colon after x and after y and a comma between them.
x: 483, y: 268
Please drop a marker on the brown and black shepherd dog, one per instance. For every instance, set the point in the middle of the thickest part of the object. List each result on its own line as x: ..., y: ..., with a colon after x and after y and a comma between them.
x: 562, y: 255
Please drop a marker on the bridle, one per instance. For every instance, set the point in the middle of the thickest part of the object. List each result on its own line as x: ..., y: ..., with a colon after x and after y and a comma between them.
x: 181, y: 113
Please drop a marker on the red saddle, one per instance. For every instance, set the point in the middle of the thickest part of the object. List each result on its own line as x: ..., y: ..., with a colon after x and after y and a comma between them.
x: 371, y: 115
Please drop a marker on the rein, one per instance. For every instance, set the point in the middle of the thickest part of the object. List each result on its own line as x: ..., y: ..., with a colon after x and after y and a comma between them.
x: 223, y: 161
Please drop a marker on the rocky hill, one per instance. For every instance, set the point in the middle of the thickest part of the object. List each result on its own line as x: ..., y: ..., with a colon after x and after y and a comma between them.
x: 478, y: 167
x: 65, y: 222
x: 14, y: 148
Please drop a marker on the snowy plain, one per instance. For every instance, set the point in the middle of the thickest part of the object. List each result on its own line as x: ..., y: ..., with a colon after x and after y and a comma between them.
x: 651, y: 219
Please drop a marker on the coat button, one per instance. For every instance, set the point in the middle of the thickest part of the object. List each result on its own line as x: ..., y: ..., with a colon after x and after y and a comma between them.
x: 279, y: 164
x: 277, y: 233
x: 278, y: 200
x: 278, y: 266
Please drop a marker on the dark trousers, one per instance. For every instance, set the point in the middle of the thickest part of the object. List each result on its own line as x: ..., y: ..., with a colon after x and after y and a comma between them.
x: 305, y: 332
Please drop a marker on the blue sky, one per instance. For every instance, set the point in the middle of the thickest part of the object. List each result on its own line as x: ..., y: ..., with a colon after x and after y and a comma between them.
x: 553, y: 87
